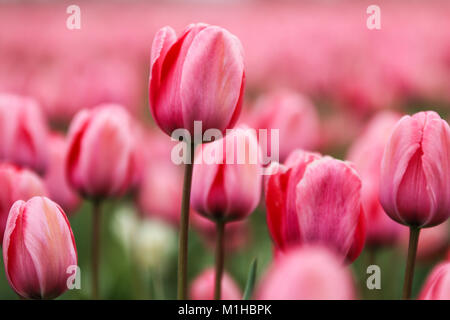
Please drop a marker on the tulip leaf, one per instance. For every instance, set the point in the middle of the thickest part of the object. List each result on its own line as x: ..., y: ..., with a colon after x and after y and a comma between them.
x: 250, y: 280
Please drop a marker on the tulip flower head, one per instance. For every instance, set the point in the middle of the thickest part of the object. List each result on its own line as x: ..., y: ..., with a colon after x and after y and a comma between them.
x: 101, y: 155
x: 23, y: 133
x: 203, y: 287
x: 313, y: 199
x: 17, y: 184
x: 437, y: 285
x: 415, y: 171
x: 38, y: 249
x: 198, y: 76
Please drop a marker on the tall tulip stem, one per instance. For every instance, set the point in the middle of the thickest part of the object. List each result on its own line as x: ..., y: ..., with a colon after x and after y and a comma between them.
x: 96, y: 228
x: 220, y: 259
x: 410, y: 263
x: 184, y: 226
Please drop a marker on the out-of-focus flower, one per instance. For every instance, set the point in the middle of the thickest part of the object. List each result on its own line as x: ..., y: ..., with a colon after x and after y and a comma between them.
x: 55, y: 178
x: 415, y: 171
x: 293, y: 115
x: 227, y: 188
x: 202, y: 287
x: 38, y: 249
x: 437, y: 285
x: 23, y: 132
x: 315, y: 200
x: 307, y: 273
x: 366, y: 153
x: 16, y: 184
x: 198, y: 76
x: 432, y: 242
x: 101, y: 156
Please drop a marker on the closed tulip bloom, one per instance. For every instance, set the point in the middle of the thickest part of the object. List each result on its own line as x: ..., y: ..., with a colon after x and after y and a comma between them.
x: 38, y: 248
x: 227, y: 188
x: 415, y: 171
x: 366, y: 154
x: 55, y: 178
x: 315, y: 200
x: 294, y: 116
x: 307, y: 273
x: 17, y: 184
x: 198, y: 76
x: 202, y: 287
x: 437, y: 285
x: 23, y: 133
x: 101, y: 155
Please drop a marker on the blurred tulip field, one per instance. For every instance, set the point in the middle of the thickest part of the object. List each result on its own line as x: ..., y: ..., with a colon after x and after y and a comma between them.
x: 90, y: 92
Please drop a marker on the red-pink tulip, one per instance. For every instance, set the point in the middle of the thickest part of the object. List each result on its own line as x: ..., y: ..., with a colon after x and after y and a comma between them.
x: 307, y: 273
x: 366, y: 153
x: 55, y: 178
x: 203, y: 287
x: 437, y: 285
x: 315, y: 200
x: 415, y: 171
x: 198, y: 76
x: 38, y: 249
x: 226, y: 182
x: 23, y: 132
x: 294, y: 116
x: 16, y: 184
x: 101, y: 156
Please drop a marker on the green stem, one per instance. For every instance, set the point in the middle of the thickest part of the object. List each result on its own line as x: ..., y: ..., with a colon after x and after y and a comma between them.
x: 220, y: 259
x: 96, y: 228
x: 184, y: 227
x: 410, y: 262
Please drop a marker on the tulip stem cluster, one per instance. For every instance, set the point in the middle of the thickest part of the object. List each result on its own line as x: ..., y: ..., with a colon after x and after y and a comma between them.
x: 96, y: 228
x: 184, y: 225
x: 411, y: 261
x: 220, y: 259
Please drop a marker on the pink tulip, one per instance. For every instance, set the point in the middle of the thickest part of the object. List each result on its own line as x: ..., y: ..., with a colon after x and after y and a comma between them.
x: 198, y: 76
x: 366, y: 153
x: 16, y: 184
x: 293, y: 115
x: 415, y: 171
x: 202, y: 287
x: 437, y: 285
x: 315, y: 200
x: 23, y: 132
x: 101, y: 153
x: 38, y: 248
x: 55, y: 177
x: 227, y: 187
x: 307, y: 273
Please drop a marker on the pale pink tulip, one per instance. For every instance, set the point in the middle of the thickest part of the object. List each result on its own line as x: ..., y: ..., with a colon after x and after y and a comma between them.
x: 38, y: 249
x: 307, y: 273
x: 16, y: 184
x: 202, y: 287
x: 23, y: 132
x: 101, y: 156
x: 437, y: 285
x: 198, y: 76
x: 415, y: 171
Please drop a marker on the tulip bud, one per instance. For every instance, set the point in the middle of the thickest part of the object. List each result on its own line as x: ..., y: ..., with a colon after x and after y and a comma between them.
x: 227, y: 187
x: 366, y: 153
x: 55, y: 178
x: 16, y: 184
x: 198, y: 76
x: 294, y: 116
x: 23, y: 133
x: 38, y: 248
x: 415, y: 171
x: 101, y: 154
x: 315, y: 200
x: 437, y: 285
x: 307, y: 273
x: 203, y: 287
